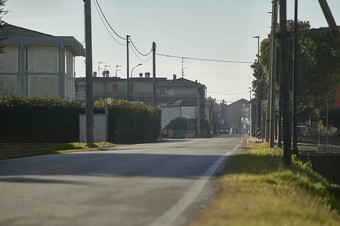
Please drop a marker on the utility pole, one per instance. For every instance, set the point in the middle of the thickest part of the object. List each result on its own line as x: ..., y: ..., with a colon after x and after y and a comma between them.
x: 295, y: 47
x: 198, y: 113
x: 250, y: 115
x: 127, y: 68
x: 154, y: 87
x: 286, y: 111
x: 273, y: 75
x: 89, y: 78
x: 259, y: 84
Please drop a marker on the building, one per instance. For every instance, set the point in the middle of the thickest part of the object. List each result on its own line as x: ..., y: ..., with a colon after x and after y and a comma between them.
x: 37, y: 64
x: 185, y: 108
x: 141, y: 89
x: 236, y: 116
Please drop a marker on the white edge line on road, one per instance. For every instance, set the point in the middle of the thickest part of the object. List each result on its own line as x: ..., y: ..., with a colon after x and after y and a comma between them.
x: 176, y: 210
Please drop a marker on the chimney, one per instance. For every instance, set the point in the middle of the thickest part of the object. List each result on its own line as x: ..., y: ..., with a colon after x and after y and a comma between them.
x: 174, y: 76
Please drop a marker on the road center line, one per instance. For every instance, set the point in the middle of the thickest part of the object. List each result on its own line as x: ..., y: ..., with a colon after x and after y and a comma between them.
x: 176, y: 210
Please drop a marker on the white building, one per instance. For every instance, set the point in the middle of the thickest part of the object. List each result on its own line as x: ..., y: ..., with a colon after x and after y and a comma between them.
x: 186, y: 108
x: 37, y: 64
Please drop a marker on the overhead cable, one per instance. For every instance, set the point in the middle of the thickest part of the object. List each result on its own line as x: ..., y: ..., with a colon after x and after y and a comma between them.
x: 102, y: 13
x: 204, y: 59
x: 134, y: 52
x: 101, y: 18
x: 138, y: 50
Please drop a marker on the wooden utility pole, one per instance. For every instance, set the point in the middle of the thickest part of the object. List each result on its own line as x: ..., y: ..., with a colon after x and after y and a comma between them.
x: 89, y: 78
x: 127, y: 68
x: 154, y: 86
x: 331, y: 22
x: 198, y: 112
x: 273, y: 75
x: 286, y: 112
x: 295, y: 47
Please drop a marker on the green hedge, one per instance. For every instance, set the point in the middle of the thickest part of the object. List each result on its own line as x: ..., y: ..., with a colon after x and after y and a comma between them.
x: 26, y: 120
x: 131, y: 122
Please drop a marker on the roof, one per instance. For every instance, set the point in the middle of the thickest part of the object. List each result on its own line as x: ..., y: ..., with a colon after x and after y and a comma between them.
x: 192, y: 101
x: 240, y: 101
x: 14, y: 35
x: 182, y: 82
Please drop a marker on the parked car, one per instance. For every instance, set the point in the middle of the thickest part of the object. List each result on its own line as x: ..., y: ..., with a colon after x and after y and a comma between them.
x: 224, y: 131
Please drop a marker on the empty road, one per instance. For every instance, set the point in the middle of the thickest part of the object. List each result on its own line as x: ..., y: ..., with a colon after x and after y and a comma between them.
x: 144, y: 184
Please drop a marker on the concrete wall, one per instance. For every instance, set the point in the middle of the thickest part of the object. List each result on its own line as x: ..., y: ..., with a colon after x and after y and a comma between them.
x: 181, y: 92
x: 169, y: 114
x: 37, y: 71
x: 9, y: 67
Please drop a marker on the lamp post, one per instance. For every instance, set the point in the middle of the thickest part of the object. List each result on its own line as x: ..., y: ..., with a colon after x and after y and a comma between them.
x: 131, y: 78
x: 258, y: 88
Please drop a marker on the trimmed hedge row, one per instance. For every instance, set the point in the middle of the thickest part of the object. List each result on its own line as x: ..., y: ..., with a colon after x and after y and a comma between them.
x: 25, y: 120
x: 131, y: 122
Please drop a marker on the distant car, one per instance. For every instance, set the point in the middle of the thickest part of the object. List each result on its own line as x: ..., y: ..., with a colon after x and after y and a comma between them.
x: 224, y: 131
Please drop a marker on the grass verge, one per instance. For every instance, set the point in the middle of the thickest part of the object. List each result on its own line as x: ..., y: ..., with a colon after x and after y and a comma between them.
x: 10, y: 151
x: 257, y: 189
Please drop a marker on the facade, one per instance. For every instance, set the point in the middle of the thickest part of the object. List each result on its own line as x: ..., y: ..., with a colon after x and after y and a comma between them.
x: 37, y: 64
x: 236, y: 116
x: 183, y: 108
x: 141, y: 89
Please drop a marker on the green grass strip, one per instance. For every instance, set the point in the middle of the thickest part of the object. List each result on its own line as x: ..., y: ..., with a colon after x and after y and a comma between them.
x: 256, y: 188
x: 10, y: 151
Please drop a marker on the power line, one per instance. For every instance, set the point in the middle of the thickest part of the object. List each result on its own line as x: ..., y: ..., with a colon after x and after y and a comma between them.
x: 204, y: 59
x: 102, y: 13
x: 101, y: 18
x: 228, y: 93
x: 134, y: 51
x: 138, y: 50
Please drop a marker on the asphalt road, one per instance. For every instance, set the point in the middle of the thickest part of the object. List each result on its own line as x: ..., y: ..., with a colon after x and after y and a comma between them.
x: 145, y: 184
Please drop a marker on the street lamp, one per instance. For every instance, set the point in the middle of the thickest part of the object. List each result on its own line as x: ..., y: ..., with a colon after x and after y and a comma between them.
x: 134, y: 68
x: 130, y: 87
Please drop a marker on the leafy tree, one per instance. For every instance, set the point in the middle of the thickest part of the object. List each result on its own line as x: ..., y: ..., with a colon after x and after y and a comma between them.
x: 318, y: 69
x: 2, y: 12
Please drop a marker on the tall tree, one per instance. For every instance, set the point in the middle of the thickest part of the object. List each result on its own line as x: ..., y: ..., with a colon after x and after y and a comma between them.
x: 2, y: 12
x: 318, y: 70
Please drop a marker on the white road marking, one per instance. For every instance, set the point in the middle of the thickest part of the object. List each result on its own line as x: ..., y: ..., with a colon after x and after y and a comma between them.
x: 176, y: 210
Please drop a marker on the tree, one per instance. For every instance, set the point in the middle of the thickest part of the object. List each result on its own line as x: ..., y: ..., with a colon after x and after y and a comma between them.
x: 2, y: 12
x: 318, y: 69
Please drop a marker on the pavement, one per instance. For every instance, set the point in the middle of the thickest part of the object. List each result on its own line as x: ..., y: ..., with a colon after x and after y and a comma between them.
x: 155, y: 184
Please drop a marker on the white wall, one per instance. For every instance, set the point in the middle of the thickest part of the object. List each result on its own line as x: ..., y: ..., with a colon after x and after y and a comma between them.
x: 43, y: 85
x: 43, y: 59
x: 9, y: 59
x: 99, y: 129
x: 188, y: 111
x: 8, y: 64
x: 169, y: 114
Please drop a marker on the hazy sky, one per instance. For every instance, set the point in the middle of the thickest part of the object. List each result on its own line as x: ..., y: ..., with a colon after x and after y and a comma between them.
x: 213, y: 29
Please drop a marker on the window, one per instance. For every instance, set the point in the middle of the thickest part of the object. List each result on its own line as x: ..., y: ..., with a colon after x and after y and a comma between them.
x: 115, y: 88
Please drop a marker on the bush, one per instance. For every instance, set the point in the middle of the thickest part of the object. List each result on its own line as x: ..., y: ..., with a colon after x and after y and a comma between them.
x: 131, y: 122
x: 27, y: 120
x: 36, y: 119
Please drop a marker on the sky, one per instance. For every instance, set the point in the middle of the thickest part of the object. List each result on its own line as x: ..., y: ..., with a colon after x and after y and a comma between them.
x: 214, y: 29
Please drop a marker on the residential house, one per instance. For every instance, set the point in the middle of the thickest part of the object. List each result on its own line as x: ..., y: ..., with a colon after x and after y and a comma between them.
x: 141, y: 89
x: 236, y: 116
x: 37, y: 64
